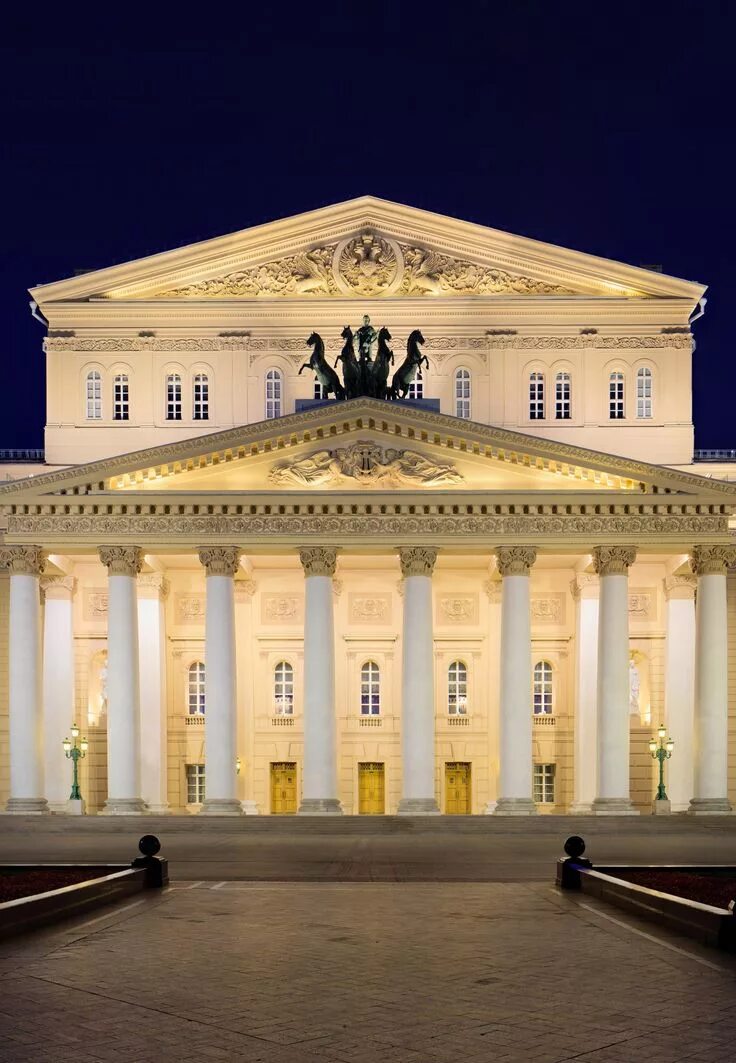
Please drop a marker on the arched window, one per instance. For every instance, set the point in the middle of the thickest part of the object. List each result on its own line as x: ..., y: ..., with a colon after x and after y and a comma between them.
x: 370, y: 689
x: 462, y: 393
x: 201, y: 398
x: 173, y: 397
x: 457, y: 689
x: 563, y: 387
x: 616, y: 395
x: 283, y: 689
x: 274, y: 390
x: 196, y: 694
x: 644, y: 392
x: 120, y: 395
x: 416, y: 388
x: 94, y: 396
x: 536, y: 396
x: 542, y: 688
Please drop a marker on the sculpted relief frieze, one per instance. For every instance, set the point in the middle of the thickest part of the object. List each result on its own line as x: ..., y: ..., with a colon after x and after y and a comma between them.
x: 457, y: 609
x: 365, y: 464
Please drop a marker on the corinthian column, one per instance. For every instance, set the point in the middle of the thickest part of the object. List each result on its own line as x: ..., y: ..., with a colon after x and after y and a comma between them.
x: 710, y: 790
x: 220, y: 722
x: 612, y: 790
x: 515, y: 722
x: 59, y: 710
x: 25, y: 564
x: 319, y: 782
x: 417, y: 684
x: 123, y: 682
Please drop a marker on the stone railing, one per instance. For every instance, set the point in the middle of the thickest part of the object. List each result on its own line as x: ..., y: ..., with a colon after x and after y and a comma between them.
x: 195, y: 719
x: 544, y: 720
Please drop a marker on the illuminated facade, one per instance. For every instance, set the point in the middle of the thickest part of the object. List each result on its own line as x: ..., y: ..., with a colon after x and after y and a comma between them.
x: 479, y: 600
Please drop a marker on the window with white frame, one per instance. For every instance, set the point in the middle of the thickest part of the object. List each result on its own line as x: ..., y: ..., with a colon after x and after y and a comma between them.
x: 542, y: 688
x: 544, y: 784
x: 457, y: 689
x: 616, y: 395
x: 283, y: 689
x: 173, y: 397
x: 370, y: 689
x: 274, y: 393
x: 644, y: 392
x: 416, y: 388
x: 563, y: 389
x: 536, y: 396
x: 120, y: 398
x: 195, y: 784
x: 201, y: 398
x: 94, y: 395
x: 462, y: 393
x: 195, y: 689
x: 320, y: 391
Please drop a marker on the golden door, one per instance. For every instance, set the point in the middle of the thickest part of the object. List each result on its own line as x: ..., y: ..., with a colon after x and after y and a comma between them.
x: 457, y: 789
x: 283, y: 789
x: 371, y: 790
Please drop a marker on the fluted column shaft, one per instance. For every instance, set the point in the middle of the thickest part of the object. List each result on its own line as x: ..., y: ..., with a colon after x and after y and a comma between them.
x: 417, y: 684
x: 319, y: 779
x: 220, y: 725
x: 59, y: 710
x: 123, y: 681
x: 25, y: 564
x: 515, y: 721
x: 612, y: 791
x: 710, y: 790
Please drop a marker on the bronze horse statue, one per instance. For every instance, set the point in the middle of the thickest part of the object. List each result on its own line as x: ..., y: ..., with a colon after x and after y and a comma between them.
x: 407, y: 371
x: 324, y: 373
x: 350, y: 367
x: 384, y: 358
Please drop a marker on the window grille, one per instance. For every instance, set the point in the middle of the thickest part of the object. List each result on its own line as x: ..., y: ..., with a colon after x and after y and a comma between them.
x: 616, y: 396
x: 542, y: 688
x: 195, y: 784
x: 416, y: 388
x: 94, y: 396
x: 320, y: 391
x: 457, y: 689
x: 283, y: 689
x: 563, y: 386
x: 462, y: 394
x: 173, y: 397
x: 274, y: 391
x: 196, y: 688
x: 370, y: 689
x: 644, y: 392
x: 536, y: 397
x: 201, y: 398
x: 544, y: 784
x: 120, y: 395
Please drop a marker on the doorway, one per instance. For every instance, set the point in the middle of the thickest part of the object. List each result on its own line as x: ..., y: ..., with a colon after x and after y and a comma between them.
x: 457, y: 789
x: 371, y: 789
x: 283, y: 788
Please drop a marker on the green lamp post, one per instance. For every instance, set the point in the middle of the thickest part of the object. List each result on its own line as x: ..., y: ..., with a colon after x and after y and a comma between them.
x: 75, y: 750
x: 661, y: 750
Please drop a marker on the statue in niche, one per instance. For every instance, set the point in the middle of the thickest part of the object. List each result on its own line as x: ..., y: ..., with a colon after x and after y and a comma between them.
x: 634, y: 688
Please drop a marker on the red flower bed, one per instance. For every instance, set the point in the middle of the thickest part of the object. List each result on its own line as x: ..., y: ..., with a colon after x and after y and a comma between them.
x: 718, y: 890
x: 16, y: 884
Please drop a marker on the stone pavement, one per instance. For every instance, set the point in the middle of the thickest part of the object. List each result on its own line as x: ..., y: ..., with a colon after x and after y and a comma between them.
x: 364, y: 973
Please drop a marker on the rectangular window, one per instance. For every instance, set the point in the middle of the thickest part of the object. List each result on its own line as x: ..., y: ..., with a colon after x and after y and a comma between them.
x: 320, y: 391
x: 644, y: 393
x: 616, y: 397
x: 173, y: 398
x: 195, y: 784
x: 562, y: 397
x: 94, y: 396
x: 201, y: 403
x: 536, y: 397
x: 416, y: 388
x: 120, y: 406
x: 544, y: 784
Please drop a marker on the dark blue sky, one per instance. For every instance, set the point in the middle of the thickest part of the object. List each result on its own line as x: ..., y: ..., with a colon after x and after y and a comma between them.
x: 602, y: 127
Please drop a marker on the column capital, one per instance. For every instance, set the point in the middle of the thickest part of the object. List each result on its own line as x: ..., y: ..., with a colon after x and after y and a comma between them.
x: 584, y: 585
x: 153, y: 585
x: 712, y: 560
x: 515, y: 560
x: 244, y: 589
x: 493, y: 589
x: 417, y: 560
x: 58, y: 588
x: 22, y: 560
x: 613, y: 560
x: 680, y: 587
x: 121, y: 560
x: 220, y: 560
x: 318, y: 560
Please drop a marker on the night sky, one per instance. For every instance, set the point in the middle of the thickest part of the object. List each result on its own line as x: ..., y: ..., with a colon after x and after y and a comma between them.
x: 607, y: 128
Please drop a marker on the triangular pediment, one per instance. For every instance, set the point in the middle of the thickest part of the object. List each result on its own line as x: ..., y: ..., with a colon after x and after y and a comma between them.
x: 367, y: 248
x: 363, y: 447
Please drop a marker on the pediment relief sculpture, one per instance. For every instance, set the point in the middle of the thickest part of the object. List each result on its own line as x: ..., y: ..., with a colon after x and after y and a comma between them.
x: 365, y: 464
x: 370, y: 264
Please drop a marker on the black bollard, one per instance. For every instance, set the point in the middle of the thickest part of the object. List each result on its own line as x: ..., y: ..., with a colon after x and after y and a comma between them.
x: 568, y: 871
x: 157, y: 871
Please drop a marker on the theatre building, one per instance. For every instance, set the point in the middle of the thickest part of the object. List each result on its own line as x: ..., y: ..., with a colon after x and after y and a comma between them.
x: 479, y: 593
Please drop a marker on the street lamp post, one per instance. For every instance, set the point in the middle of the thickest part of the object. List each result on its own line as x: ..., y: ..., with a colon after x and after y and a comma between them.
x: 74, y: 750
x: 661, y: 750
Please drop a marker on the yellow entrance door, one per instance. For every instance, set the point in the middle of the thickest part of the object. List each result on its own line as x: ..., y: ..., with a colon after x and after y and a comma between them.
x: 283, y: 789
x: 457, y: 789
x: 371, y: 790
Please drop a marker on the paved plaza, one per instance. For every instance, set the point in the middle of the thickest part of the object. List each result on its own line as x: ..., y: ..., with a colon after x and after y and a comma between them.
x: 358, y: 973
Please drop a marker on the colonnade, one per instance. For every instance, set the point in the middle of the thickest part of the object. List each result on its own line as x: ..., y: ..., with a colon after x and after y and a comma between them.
x: 602, y: 681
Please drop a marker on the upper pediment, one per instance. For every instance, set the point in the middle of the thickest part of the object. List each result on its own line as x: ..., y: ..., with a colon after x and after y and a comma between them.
x: 367, y: 248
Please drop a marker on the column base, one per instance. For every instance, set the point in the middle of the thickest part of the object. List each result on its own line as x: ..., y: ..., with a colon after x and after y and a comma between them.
x: 581, y: 808
x: 614, y: 806
x: 249, y: 808
x: 25, y: 806
x: 220, y: 806
x: 515, y: 806
x: 158, y: 810
x: 123, y: 806
x: 319, y: 806
x: 417, y: 806
x: 59, y: 808
x: 76, y: 806
x: 661, y: 808
x: 706, y: 806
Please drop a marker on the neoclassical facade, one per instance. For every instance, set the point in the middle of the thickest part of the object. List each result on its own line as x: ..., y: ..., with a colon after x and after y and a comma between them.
x: 253, y: 599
